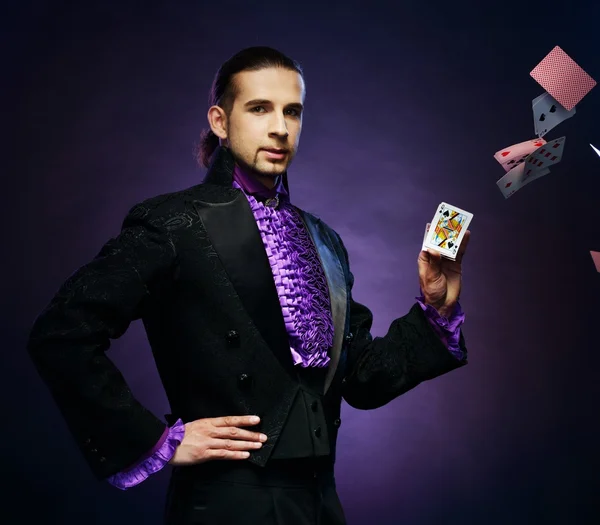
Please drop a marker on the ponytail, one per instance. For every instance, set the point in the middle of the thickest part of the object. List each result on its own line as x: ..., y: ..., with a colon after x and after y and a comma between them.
x: 209, y: 142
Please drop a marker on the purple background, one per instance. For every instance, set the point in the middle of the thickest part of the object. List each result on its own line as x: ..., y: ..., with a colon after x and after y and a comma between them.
x: 405, y: 108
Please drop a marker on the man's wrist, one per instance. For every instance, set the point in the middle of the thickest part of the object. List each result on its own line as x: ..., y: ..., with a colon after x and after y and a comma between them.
x: 445, y: 310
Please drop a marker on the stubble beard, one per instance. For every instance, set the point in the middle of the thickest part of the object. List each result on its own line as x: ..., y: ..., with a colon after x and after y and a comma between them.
x: 255, y: 167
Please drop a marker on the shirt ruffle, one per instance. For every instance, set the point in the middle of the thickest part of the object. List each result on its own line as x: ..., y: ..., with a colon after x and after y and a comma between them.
x: 300, y: 281
x: 156, y: 461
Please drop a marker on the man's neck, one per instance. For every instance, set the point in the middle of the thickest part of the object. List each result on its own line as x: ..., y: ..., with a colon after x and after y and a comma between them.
x: 266, y: 180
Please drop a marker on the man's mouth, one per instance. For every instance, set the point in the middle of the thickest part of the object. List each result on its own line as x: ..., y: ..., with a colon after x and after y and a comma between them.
x: 275, y: 153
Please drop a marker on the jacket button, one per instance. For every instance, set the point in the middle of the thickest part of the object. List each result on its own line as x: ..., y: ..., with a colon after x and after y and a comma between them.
x: 337, y: 422
x: 94, y: 450
x: 245, y: 380
x: 314, y: 406
x: 318, y: 431
x: 232, y: 336
x: 102, y: 459
x: 87, y: 441
x: 349, y: 337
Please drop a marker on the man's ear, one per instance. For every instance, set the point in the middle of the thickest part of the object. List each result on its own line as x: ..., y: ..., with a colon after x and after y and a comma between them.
x: 217, y: 119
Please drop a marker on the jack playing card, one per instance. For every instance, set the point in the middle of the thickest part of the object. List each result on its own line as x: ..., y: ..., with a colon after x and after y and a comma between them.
x: 562, y: 77
x: 447, y: 230
x: 516, y: 178
x: 512, y: 155
x: 596, y: 259
x: 548, y: 113
x: 546, y: 156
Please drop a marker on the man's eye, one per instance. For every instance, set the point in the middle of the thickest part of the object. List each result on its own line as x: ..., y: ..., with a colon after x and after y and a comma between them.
x: 257, y: 107
x: 294, y: 112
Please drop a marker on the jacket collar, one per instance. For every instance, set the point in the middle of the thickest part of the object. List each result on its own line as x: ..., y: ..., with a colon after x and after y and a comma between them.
x: 220, y: 170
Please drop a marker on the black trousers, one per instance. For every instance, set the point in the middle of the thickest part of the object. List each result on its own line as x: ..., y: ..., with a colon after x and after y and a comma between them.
x: 285, y: 492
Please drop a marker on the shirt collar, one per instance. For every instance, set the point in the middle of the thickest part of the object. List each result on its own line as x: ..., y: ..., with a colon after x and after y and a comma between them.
x: 252, y: 186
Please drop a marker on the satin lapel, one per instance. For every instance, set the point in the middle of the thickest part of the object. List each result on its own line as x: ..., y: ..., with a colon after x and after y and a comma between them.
x: 232, y: 230
x: 337, y: 288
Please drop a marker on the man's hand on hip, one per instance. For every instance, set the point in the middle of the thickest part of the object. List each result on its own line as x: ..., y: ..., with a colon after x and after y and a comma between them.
x: 217, y: 438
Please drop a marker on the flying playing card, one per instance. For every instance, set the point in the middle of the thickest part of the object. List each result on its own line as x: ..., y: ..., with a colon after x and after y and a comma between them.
x: 596, y: 259
x: 560, y: 76
x: 548, y: 113
x: 512, y: 155
x: 447, y: 230
x: 596, y: 150
x: 546, y: 156
x: 516, y: 178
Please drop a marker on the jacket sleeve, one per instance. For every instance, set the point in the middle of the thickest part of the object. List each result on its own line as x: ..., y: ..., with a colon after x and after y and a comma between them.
x: 154, y: 461
x: 382, y: 368
x: 69, y: 340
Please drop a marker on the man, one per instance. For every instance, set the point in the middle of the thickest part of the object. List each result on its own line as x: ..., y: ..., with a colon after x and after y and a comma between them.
x: 247, y: 304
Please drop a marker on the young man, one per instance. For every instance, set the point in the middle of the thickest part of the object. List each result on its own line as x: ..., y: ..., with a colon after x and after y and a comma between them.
x: 248, y: 308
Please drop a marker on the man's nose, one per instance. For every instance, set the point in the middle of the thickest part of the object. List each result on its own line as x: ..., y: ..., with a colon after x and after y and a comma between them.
x: 279, y: 126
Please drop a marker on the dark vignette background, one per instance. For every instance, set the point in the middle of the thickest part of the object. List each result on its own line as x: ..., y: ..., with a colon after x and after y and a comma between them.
x: 102, y: 103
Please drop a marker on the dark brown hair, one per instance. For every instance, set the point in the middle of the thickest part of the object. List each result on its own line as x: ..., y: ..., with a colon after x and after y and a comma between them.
x: 224, y: 89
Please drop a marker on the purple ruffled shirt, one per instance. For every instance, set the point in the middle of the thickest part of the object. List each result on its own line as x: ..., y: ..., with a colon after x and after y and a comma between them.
x: 303, y: 295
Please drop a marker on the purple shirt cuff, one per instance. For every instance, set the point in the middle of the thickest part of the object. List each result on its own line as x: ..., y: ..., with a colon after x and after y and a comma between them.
x: 447, y: 329
x: 154, y: 461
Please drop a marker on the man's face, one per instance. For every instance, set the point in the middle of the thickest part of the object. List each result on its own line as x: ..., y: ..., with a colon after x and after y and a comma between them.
x: 266, y: 115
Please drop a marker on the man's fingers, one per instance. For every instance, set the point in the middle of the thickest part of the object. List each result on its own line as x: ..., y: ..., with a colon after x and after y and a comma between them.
x: 227, y: 427
x: 236, y: 433
x: 235, y: 421
x: 233, y: 444
x: 463, y: 246
x: 221, y: 453
x: 433, y: 264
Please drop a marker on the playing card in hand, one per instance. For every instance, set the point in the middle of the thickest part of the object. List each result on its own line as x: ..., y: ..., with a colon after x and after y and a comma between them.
x: 596, y: 259
x: 510, y: 156
x: 548, y: 113
x: 516, y: 178
x: 562, y: 77
x: 545, y: 156
x: 447, y: 230
x: 425, y: 235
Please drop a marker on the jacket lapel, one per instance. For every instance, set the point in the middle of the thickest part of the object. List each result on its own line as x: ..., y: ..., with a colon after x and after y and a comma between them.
x: 336, y: 282
x: 233, y: 232
x: 230, y: 225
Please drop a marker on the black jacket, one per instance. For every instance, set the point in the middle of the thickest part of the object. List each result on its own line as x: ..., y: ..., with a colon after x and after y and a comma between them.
x: 191, y: 264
